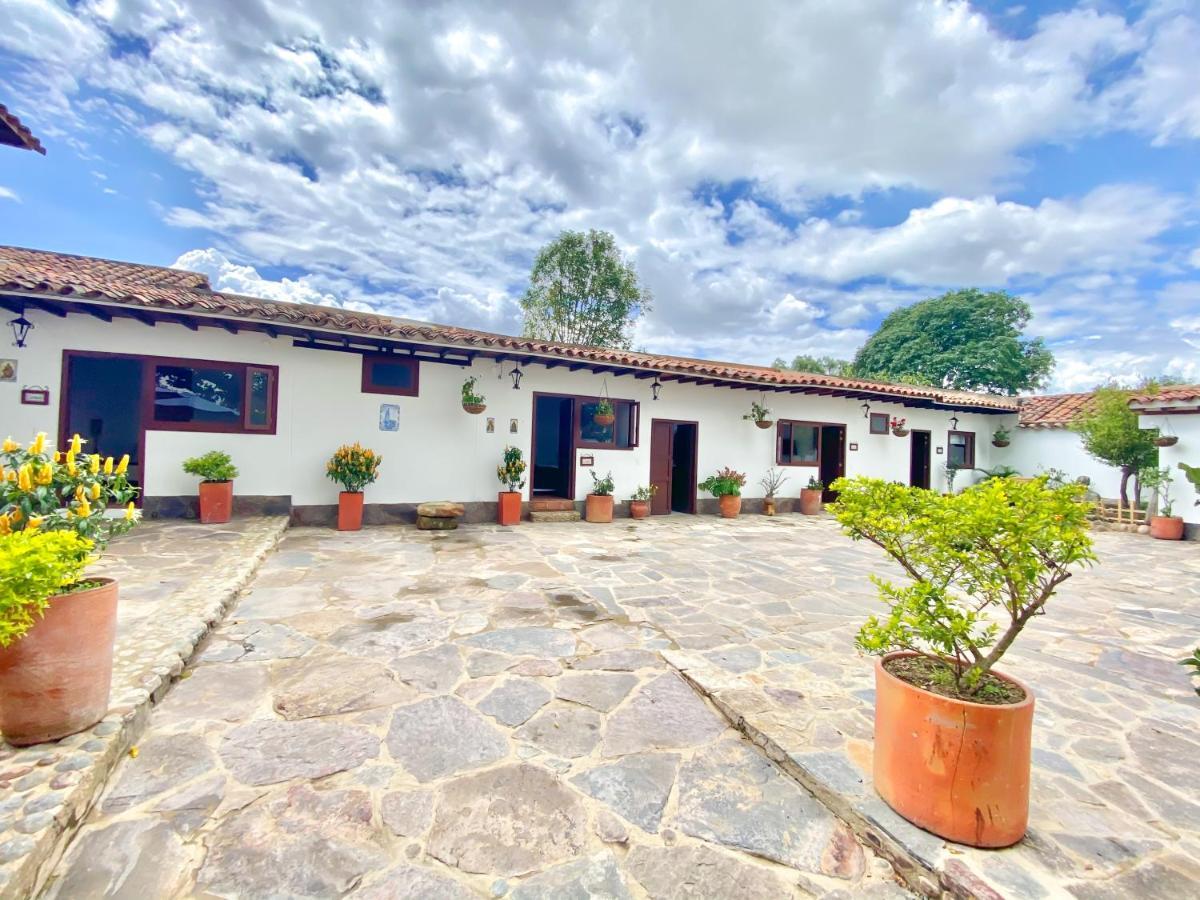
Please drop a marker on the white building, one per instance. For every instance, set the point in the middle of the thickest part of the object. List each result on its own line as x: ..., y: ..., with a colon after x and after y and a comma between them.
x: 1175, y: 412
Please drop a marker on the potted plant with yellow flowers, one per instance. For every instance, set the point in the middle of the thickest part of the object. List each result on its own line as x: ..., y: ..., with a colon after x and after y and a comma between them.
x: 353, y: 466
x: 57, y: 624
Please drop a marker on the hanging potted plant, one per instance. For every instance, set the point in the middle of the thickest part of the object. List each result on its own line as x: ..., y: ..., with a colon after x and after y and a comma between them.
x: 511, y: 473
x: 216, y: 472
x: 599, y: 504
x: 759, y: 414
x: 57, y: 624
x: 1165, y: 526
x: 353, y: 466
x: 952, y: 734
x: 899, y: 427
x: 811, y: 497
x: 604, y: 415
x: 1001, y: 437
x: 1166, y: 440
x: 726, y: 486
x: 771, y: 483
x: 472, y: 402
x: 639, y: 503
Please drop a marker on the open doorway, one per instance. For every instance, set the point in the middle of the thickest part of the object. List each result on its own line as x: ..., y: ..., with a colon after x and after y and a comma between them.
x: 102, y: 403
x: 833, y: 458
x: 673, y: 450
x: 553, y: 461
x: 920, y: 460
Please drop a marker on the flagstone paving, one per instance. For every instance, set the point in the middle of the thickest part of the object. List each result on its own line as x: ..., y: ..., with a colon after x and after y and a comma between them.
x: 491, y: 712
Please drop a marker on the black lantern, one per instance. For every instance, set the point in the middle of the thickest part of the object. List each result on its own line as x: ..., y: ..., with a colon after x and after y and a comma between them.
x: 20, y: 327
x: 954, y: 423
x: 866, y: 408
x: 516, y: 376
x: 656, y: 387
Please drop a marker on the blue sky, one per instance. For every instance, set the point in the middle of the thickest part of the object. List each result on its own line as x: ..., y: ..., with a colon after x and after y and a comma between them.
x: 782, y: 175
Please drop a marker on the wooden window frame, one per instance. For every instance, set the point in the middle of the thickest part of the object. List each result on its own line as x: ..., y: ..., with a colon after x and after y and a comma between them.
x: 413, y: 365
x: 151, y: 363
x: 880, y: 417
x: 970, y: 435
x: 635, y: 425
x: 779, y: 441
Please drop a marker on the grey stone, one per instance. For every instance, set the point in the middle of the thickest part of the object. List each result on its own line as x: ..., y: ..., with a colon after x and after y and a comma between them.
x: 665, y: 714
x: 281, y: 602
x: 484, y: 662
x: 162, y: 764
x: 408, y: 813
x: 567, y: 731
x: 514, y: 701
x: 443, y: 735
x: 636, y: 787
x: 133, y: 860
x: 525, y: 641
x: 700, y: 872
x: 627, y: 660
x: 735, y: 659
x: 434, y: 671
x: 190, y: 806
x: 333, y: 684
x: 216, y: 692
x: 731, y: 795
x: 507, y: 821
x: 599, y: 690
x: 16, y: 847
x: 1167, y: 878
x: 610, y: 829
x: 390, y: 635
x: 537, y: 668
x: 267, y: 751
x: 255, y: 643
x: 594, y: 876
x: 405, y: 882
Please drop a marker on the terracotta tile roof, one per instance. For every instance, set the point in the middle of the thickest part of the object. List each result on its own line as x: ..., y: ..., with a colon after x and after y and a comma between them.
x: 14, y: 134
x: 1052, y: 410
x: 1176, y: 393
x: 153, y: 287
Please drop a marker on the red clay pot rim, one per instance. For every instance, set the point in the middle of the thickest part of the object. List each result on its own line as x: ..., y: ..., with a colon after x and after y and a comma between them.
x: 1167, y: 518
x: 899, y: 654
x: 216, y: 480
x: 510, y: 493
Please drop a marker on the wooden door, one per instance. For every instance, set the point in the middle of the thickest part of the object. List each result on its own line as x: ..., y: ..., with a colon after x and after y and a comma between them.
x: 661, y: 437
x: 920, y: 462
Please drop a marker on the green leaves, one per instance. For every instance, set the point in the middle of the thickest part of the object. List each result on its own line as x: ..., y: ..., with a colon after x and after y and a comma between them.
x: 34, y: 566
x: 215, y: 465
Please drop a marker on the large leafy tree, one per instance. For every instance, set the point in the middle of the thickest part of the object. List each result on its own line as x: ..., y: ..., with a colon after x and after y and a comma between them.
x: 816, y: 365
x: 583, y: 291
x: 969, y: 340
x: 1109, y: 431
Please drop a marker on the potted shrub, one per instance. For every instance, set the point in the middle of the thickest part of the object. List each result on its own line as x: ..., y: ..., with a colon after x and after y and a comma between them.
x: 812, y: 497
x: 353, y: 466
x: 899, y: 427
x: 726, y: 486
x: 639, y: 503
x: 952, y: 734
x: 604, y: 415
x: 472, y: 401
x: 1001, y: 437
x: 599, y: 504
x: 760, y: 415
x: 1165, y: 526
x: 57, y: 625
x: 511, y: 473
x: 771, y: 483
x: 216, y: 472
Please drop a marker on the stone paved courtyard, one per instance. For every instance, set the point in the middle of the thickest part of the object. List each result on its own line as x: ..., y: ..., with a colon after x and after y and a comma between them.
x: 497, y: 713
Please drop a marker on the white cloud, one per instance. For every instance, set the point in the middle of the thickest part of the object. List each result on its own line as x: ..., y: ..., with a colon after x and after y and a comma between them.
x: 9, y: 194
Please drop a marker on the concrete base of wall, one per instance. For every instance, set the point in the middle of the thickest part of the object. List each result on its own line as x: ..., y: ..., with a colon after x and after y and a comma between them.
x: 188, y: 506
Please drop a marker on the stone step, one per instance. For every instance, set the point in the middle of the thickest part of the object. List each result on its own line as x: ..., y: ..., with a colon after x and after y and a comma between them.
x: 555, y: 515
x: 551, y: 504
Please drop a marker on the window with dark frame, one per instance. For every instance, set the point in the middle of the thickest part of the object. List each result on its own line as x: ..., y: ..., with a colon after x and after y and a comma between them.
x: 879, y: 423
x: 386, y: 374
x: 960, y: 449
x: 206, y: 395
x: 798, y: 443
x: 622, y: 434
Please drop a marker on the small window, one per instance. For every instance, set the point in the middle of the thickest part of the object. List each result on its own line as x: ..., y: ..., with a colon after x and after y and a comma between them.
x: 621, y: 434
x: 799, y: 444
x: 961, y: 450
x: 260, y: 398
x: 199, y: 395
x: 390, y: 375
x: 879, y: 423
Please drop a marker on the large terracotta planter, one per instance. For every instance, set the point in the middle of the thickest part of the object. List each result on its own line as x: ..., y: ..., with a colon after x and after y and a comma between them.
x: 599, y: 508
x: 350, y: 510
x: 55, y: 680
x: 1166, y: 528
x: 508, y: 507
x: 216, y: 502
x: 810, y: 501
x: 639, y: 509
x: 730, y: 505
x: 958, y: 769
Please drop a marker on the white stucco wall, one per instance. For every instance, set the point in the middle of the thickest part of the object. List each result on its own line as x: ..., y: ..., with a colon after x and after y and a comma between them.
x: 1034, y: 450
x: 440, y: 452
x: 1187, y: 429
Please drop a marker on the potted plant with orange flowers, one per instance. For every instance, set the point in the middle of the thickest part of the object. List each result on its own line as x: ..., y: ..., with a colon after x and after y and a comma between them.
x: 353, y: 466
x: 216, y: 472
x: 953, y: 736
x: 726, y: 486
x: 57, y: 624
x: 511, y: 473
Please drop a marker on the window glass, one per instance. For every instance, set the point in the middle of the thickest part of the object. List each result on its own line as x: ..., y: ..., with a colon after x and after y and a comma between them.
x: 961, y: 449
x: 591, y: 431
x: 391, y: 374
x: 259, y: 403
x: 799, y: 444
x: 195, y: 394
x: 879, y: 423
x: 620, y: 434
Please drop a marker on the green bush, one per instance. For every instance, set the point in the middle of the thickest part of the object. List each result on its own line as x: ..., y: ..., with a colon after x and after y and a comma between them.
x: 34, y: 566
x: 645, y: 493
x: 511, y: 472
x: 982, y: 563
x: 726, y: 483
x: 602, y: 487
x: 215, y: 465
x: 469, y: 395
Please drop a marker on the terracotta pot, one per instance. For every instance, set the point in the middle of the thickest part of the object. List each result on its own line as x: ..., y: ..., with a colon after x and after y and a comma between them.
x: 810, y: 501
x: 508, y: 507
x: 768, y: 506
x: 55, y: 680
x: 604, y: 419
x: 474, y: 408
x: 216, y: 502
x: 730, y: 504
x: 599, y: 508
x: 1000, y: 443
x: 1166, y: 440
x: 957, y: 769
x: 764, y: 423
x: 1166, y: 528
x: 350, y: 510
x: 639, y: 509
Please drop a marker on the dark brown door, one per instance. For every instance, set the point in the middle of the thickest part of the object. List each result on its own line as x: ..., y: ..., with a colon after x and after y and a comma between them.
x: 833, y: 458
x: 661, y: 438
x: 920, y: 461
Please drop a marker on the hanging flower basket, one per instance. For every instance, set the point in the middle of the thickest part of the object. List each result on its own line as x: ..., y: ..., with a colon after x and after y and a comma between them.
x: 1001, y: 443
x: 763, y: 423
x: 899, y: 427
x: 1166, y: 440
x: 474, y: 408
x: 900, y: 432
x: 604, y: 419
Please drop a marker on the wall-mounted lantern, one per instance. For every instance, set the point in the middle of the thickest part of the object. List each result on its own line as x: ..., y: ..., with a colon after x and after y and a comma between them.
x: 954, y: 423
x: 866, y: 408
x: 20, y: 328
x: 656, y: 387
x: 516, y: 375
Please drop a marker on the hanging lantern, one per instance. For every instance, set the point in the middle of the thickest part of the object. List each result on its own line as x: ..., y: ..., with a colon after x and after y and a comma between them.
x: 516, y: 376
x: 20, y: 327
x: 954, y: 423
x: 866, y: 408
x: 656, y: 387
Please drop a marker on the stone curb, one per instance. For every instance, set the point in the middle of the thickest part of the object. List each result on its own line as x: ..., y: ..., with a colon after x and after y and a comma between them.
x: 26, y: 861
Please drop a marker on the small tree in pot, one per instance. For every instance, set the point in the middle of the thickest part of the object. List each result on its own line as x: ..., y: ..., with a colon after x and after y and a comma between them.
x: 216, y: 472
x: 771, y: 483
x: 811, y: 497
x: 599, y: 504
x: 953, y: 736
x: 353, y: 466
x: 1165, y: 526
x: 726, y: 486
x: 511, y: 473
x: 639, y: 503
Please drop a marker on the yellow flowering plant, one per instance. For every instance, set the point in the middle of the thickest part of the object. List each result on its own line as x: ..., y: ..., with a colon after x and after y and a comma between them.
x: 34, y: 566
x: 65, y: 490
x: 353, y: 466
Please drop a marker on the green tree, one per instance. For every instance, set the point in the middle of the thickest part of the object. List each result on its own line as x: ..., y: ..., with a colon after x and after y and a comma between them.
x: 583, y: 291
x: 816, y: 365
x: 1110, y: 433
x: 968, y: 340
